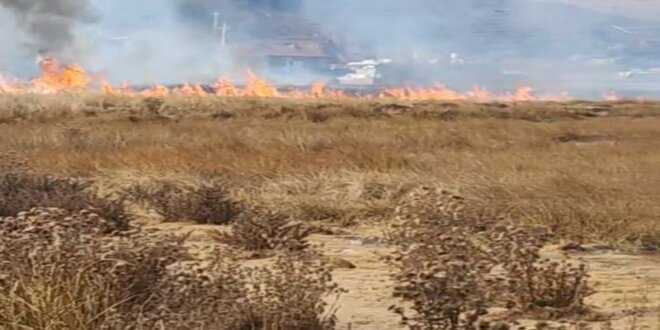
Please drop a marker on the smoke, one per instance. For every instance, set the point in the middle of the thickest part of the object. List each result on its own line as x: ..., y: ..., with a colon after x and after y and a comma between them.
x: 50, y: 24
x: 151, y: 43
x: 544, y: 42
x: 123, y: 41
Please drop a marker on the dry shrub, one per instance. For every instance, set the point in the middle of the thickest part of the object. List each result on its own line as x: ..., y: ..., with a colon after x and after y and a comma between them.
x: 59, y: 271
x: 442, y: 269
x: 11, y: 162
x: 22, y: 189
x: 454, y: 263
x: 220, y: 294
x: 208, y: 204
x: 75, y: 138
x: 551, y: 289
x: 292, y: 295
x: 261, y: 230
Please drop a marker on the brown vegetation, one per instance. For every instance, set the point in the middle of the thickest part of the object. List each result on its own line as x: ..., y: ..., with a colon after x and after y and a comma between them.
x: 267, y: 173
x: 59, y: 271
x: 447, y: 260
x: 263, y: 230
x: 207, y: 204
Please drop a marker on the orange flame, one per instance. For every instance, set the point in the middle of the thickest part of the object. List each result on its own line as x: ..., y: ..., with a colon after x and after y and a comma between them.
x: 191, y: 90
x: 224, y: 87
x: 5, y: 87
x: 259, y: 87
x: 612, y: 97
x: 156, y: 91
x: 58, y: 78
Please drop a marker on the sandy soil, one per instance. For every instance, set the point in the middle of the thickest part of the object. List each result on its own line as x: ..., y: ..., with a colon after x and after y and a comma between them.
x: 627, y: 285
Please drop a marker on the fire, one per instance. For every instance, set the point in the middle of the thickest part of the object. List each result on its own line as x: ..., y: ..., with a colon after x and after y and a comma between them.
x: 156, y: 91
x: 224, y: 87
x: 612, y: 96
x: 191, y: 90
x: 69, y: 78
x: 259, y: 87
x: 56, y: 77
x: 521, y: 94
x: 5, y: 87
x: 438, y: 93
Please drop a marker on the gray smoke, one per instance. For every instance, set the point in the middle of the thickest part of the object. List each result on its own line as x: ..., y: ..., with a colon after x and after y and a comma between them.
x: 536, y: 42
x: 50, y: 25
x: 124, y: 41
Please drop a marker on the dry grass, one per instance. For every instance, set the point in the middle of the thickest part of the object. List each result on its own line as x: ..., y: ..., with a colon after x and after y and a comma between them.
x: 276, y: 169
x: 60, y: 271
x: 586, y: 170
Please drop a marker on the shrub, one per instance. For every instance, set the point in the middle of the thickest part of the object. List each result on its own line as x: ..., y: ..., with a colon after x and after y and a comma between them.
x: 262, y: 230
x: 59, y: 271
x: 11, y: 162
x: 453, y: 264
x: 446, y: 284
x: 442, y: 270
x: 292, y: 295
x: 552, y: 289
x: 204, y: 205
x: 22, y: 189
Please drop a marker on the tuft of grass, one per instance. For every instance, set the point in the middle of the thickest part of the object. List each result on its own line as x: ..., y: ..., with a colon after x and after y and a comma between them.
x: 206, y: 204
x: 22, y: 189
x: 264, y: 230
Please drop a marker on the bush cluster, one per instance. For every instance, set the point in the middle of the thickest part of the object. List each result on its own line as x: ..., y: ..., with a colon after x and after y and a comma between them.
x: 453, y: 264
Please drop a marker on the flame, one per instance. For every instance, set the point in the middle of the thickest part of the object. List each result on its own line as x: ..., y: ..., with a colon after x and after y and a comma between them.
x: 437, y: 93
x: 317, y: 90
x: 611, y: 96
x: 57, y: 78
x: 156, y: 91
x: 191, y: 90
x: 5, y: 87
x: 480, y: 94
x: 224, y: 87
x: 521, y: 94
x: 259, y: 87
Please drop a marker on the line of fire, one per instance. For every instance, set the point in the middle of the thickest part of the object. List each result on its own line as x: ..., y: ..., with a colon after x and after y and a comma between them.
x: 274, y: 38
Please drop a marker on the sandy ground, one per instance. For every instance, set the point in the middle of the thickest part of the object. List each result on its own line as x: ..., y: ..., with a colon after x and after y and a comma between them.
x: 627, y: 285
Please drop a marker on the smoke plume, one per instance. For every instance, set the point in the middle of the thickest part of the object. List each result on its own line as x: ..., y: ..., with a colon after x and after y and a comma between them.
x: 498, y: 43
x: 50, y: 24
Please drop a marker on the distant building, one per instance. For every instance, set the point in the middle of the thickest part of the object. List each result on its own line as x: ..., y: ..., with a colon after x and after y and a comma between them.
x: 313, y: 53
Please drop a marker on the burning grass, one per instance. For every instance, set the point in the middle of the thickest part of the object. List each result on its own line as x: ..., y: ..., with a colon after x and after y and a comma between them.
x: 57, y: 77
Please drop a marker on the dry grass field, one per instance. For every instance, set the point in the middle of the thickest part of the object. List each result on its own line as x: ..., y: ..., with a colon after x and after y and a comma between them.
x: 275, y: 191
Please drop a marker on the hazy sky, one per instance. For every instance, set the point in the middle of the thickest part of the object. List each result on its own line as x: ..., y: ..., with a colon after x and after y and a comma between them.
x: 646, y: 9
